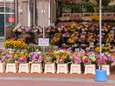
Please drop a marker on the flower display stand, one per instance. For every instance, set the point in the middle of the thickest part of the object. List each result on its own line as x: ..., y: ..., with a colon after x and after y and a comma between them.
x: 24, y: 68
x: 11, y: 67
x: 75, y: 68
x: 107, y: 68
x: 2, y: 67
x: 36, y: 68
x: 62, y: 68
x: 90, y: 69
x: 50, y: 68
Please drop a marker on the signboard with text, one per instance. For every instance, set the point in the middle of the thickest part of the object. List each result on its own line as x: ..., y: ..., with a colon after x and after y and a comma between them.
x: 43, y: 41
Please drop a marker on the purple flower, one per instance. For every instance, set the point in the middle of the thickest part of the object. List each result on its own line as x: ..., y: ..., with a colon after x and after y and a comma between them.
x: 22, y: 60
x: 102, y: 59
x: 36, y: 57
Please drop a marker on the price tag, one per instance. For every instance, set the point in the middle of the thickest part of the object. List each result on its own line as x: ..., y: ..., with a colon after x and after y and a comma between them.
x: 62, y: 68
x: 49, y: 68
x: 90, y: 69
x: 36, y: 68
x: 75, y: 68
x: 11, y: 67
x: 43, y: 41
x: 23, y: 68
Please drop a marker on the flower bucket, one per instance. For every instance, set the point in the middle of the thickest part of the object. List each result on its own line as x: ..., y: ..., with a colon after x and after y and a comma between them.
x: 106, y: 68
x: 101, y: 75
x: 90, y: 69
x: 24, y: 67
x: 50, y: 68
x: 36, y: 67
x: 62, y: 68
x: 11, y: 67
x: 75, y: 68
x: 2, y: 67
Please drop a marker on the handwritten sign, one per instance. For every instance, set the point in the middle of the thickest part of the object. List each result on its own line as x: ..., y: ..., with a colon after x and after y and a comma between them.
x: 62, y: 68
x: 43, y: 41
x: 90, y: 69
x: 1, y: 68
x: 50, y: 68
x: 107, y: 68
x: 75, y: 68
x: 23, y: 68
x: 11, y: 67
x: 36, y: 68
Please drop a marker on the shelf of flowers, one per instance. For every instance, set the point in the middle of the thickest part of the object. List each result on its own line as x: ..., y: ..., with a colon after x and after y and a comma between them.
x: 53, y: 61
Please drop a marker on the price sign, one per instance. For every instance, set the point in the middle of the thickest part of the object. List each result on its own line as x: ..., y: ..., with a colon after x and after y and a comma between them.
x: 43, y: 41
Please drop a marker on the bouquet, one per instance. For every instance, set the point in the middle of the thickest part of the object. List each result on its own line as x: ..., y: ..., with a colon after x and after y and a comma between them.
x: 23, y: 57
x: 15, y: 44
x: 49, y: 57
x: 62, y: 56
x: 35, y: 57
x: 101, y: 59
x: 92, y: 56
x: 76, y: 58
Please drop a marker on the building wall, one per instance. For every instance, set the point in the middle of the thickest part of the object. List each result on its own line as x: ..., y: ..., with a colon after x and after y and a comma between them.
x: 26, y: 18
x: 23, y: 12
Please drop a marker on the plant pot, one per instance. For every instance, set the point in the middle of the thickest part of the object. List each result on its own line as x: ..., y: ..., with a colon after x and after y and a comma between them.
x: 24, y: 67
x: 11, y: 67
x: 2, y: 67
x: 106, y: 68
x: 36, y: 67
x: 50, y: 68
x: 90, y: 69
x: 75, y: 68
x: 101, y: 75
x: 62, y: 68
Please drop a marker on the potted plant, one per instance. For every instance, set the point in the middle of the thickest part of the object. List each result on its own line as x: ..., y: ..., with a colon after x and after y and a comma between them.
x: 104, y: 62
x: 36, y: 62
x: 49, y: 59
x: 88, y: 59
x: 23, y: 62
x: 76, y: 63
x: 62, y: 60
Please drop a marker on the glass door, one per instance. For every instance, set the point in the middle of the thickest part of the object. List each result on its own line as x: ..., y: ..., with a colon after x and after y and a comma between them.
x: 1, y: 25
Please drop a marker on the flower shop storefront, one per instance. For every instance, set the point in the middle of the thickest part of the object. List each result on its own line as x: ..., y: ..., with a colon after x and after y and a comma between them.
x: 7, y: 16
x: 68, y: 49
